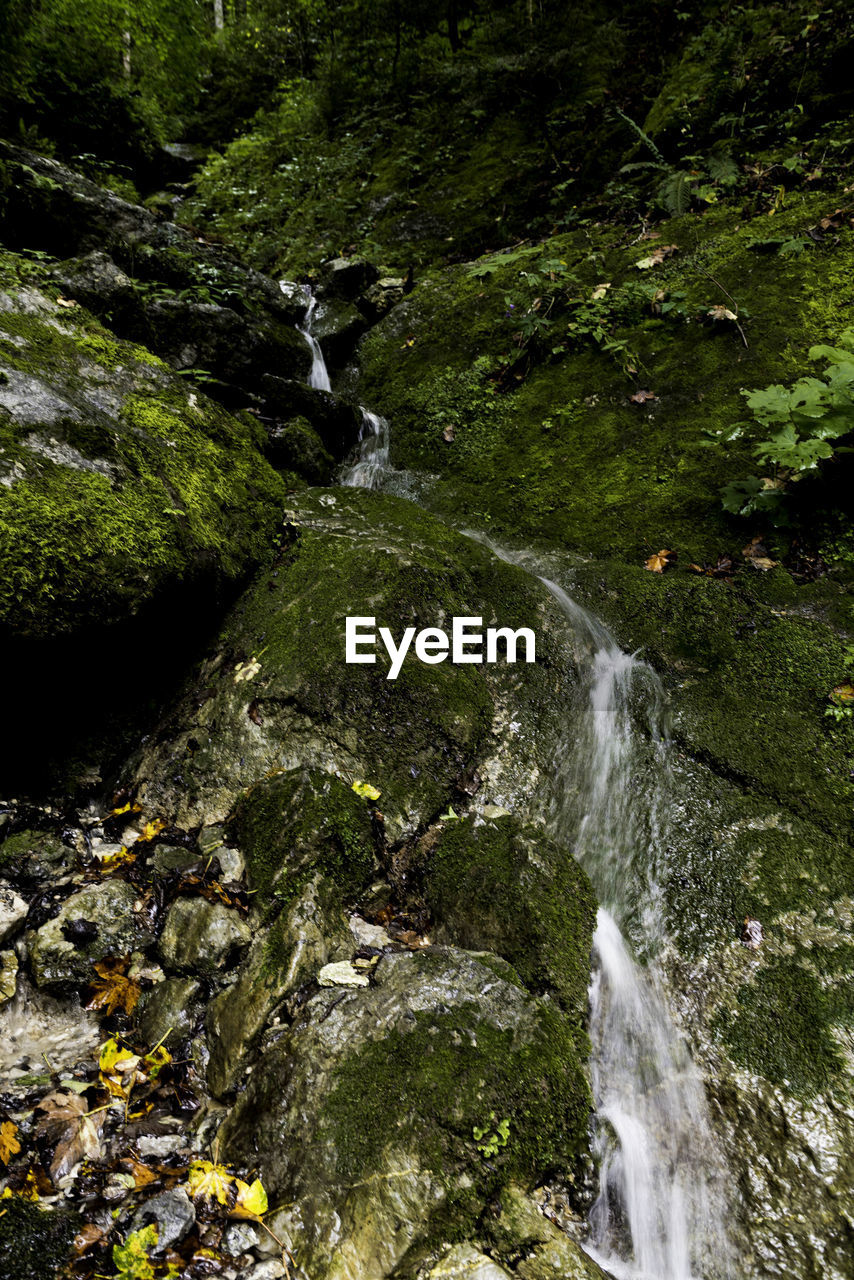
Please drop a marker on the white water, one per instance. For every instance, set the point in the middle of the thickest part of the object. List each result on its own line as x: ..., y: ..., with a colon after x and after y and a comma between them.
x: 661, y: 1211
x: 319, y: 375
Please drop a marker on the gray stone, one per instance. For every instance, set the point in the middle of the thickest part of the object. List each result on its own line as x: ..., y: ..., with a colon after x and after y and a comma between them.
x: 464, y: 1262
x: 271, y: 1269
x: 174, y: 1214
x: 200, y: 935
x: 13, y: 912
x: 170, y: 1004
x: 346, y: 277
x: 109, y: 907
x: 239, y: 1238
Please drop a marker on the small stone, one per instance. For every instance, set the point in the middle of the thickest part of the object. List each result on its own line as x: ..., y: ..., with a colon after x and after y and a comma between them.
x: 271, y: 1269
x: 8, y: 975
x: 368, y: 935
x: 752, y: 935
x: 239, y: 1238
x: 159, y: 1145
x: 174, y: 1214
x: 342, y: 974
x: 13, y: 911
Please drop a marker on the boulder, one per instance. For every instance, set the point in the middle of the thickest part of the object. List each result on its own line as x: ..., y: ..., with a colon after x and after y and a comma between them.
x: 363, y: 1116
x: 200, y: 936
x: 61, y: 953
x: 296, y: 446
x: 337, y: 421
x: 117, y: 481
x: 346, y: 278
x: 338, y: 325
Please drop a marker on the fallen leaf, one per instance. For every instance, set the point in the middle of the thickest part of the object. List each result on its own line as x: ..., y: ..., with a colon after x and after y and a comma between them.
x: 114, y: 990
x: 756, y: 554
x: 131, y: 1259
x: 86, y: 1237
x: 64, y: 1119
x: 366, y: 791
x: 842, y: 695
x: 125, y: 808
x: 659, y: 562
x: 209, y: 1181
x: 600, y: 291
x: 9, y: 1144
x: 642, y: 397
x: 657, y: 256
x: 449, y: 433
x: 121, y: 859
x: 151, y: 829
x: 65, y: 302
x: 251, y: 1199
x: 722, y: 568
x: 719, y: 312
x: 254, y: 712
x: 119, y: 1068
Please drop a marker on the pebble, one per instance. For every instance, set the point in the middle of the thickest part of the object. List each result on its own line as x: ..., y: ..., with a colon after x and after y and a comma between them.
x: 342, y: 974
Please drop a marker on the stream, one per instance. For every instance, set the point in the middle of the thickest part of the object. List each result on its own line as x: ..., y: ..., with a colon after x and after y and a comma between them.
x: 661, y: 1211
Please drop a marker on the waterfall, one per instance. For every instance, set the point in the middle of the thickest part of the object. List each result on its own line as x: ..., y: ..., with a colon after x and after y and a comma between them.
x: 371, y: 465
x: 319, y: 375
x: 661, y: 1211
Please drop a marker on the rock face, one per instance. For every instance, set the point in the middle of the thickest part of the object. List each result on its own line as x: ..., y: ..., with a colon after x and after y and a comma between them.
x: 117, y: 482
x: 364, y: 1112
x: 62, y: 952
x: 279, y: 695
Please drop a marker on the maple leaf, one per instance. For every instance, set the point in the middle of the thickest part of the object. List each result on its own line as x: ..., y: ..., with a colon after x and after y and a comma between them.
x: 86, y: 1237
x: 119, y: 1068
x: 251, y: 1199
x: 657, y: 256
x: 756, y: 553
x: 209, y: 1181
x: 151, y: 829
x: 125, y: 808
x: 115, y: 990
x: 641, y: 397
x: 659, y: 562
x: 120, y: 859
x: 64, y: 1119
x: 9, y: 1144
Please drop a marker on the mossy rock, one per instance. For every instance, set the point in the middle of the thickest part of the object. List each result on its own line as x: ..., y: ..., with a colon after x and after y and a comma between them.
x: 34, y: 1241
x: 364, y: 1114
x: 297, y: 446
x: 497, y: 887
x: 279, y: 693
x: 118, y: 482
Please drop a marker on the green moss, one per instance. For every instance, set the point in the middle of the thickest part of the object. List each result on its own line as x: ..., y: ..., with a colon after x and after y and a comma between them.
x: 34, y: 1241
x: 296, y: 823
x: 497, y: 888
x: 431, y: 1085
x: 783, y: 1029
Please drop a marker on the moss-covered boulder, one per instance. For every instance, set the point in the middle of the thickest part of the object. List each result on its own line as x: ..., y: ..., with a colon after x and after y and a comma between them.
x: 117, y: 482
x: 388, y: 1116
x: 279, y: 694
x: 494, y: 886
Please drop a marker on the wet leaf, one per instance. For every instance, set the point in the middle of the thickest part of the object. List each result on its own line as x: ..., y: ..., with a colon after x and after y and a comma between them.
x: 9, y: 1144
x: 251, y: 1199
x: 842, y: 695
x: 119, y: 1068
x: 131, y: 1258
x: 659, y: 562
x: 115, y: 990
x: 63, y: 1118
x: 123, y: 858
x: 125, y: 808
x: 756, y: 554
x: 86, y: 1237
x: 366, y: 790
x: 208, y: 1181
x: 151, y: 829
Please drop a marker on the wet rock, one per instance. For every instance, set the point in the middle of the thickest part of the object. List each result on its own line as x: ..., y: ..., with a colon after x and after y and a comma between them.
x: 384, y: 294
x: 346, y: 278
x: 8, y: 975
x: 289, y: 952
x: 336, y: 421
x: 201, y: 936
x: 368, y: 935
x: 464, y: 1262
x: 13, y: 912
x: 547, y: 1253
x: 174, y: 1214
x: 239, y: 1238
x: 270, y: 1269
x: 337, y: 325
x: 357, y: 552
x: 170, y: 857
x: 361, y: 1114
x: 170, y: 1006
x: 97, y: 283
x: 239, y: 350
x: 31, y: 857
x: 110, y: 908
x: 171, y: 489
x: 296, y: 446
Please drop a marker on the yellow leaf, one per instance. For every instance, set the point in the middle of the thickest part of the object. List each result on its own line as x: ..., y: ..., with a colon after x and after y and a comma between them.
x: 125, y: 808
x: 9, y: 1144
x: 210, y: 1181
x: 366, y: 791
x: 251, y: 1199
x: 152, y: 829
x: 659, y: 562
x: 118, y: 1068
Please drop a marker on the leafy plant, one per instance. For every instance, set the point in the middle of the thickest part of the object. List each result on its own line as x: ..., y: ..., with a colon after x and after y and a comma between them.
x: 841, y: 697
x: 132, y: 1259
x: 492, y: 1137
x: 805, y: 421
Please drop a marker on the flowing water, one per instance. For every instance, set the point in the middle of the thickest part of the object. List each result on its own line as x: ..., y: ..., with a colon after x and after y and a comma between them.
x: 319, y: 375
x: 661, y: 1211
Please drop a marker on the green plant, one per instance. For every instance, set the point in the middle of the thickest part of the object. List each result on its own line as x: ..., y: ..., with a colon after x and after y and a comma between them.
x: 842, y: 696
x: 803, y: 419
x: 491, y: 1137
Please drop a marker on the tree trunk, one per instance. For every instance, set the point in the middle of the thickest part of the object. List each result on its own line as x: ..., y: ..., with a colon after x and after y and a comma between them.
x: 219, y: 15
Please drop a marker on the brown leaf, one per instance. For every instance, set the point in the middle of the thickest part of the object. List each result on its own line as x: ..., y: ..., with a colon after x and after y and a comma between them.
x: 86, y: 1237
x: 65, y: 302
x: 843, y: 694
x: 642, y: 397
x: 9, y: 1144
x: 720, y: 313
x: 64, y: 1119
x: 659, y: 562
x: 115, y: 990
x: 756, y: 553
x: 657, y: 256
x: 722, y: 568
x: 449, y: 433
x: 254, y: 712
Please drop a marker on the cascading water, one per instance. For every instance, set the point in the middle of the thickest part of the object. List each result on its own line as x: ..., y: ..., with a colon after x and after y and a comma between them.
x: 318, y: 375
x: 661, y: 1212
